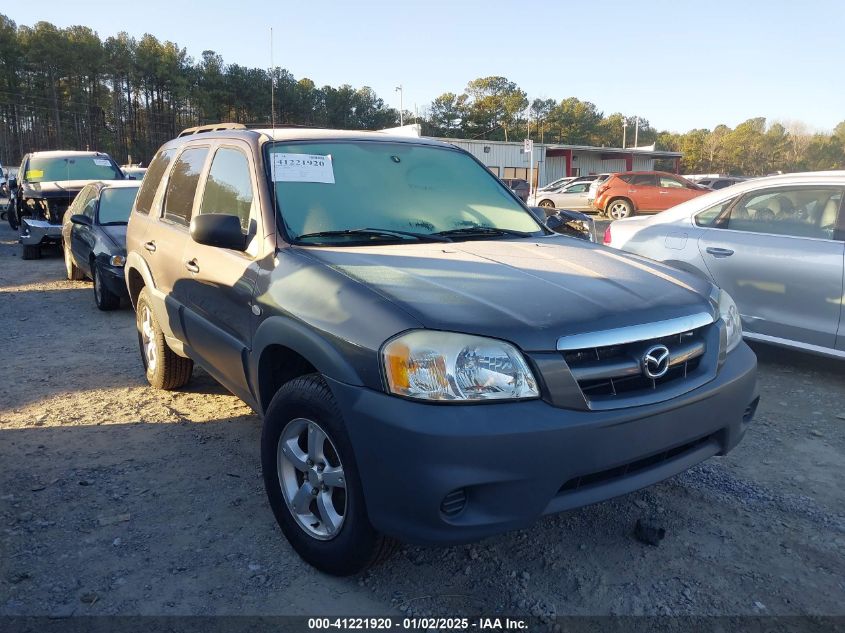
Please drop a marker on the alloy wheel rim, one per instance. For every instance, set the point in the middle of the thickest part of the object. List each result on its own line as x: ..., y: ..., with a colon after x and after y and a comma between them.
x: 311, y: 478
x: 148, y: 338
x: 618, y: 211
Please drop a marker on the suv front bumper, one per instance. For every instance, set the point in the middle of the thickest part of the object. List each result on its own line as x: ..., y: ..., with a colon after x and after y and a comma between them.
x: 34, y: 232
x: 505, y: 465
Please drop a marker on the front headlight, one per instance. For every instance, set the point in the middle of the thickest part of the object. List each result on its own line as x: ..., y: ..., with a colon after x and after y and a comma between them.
x: 430, y: 365
x: 729, y: 313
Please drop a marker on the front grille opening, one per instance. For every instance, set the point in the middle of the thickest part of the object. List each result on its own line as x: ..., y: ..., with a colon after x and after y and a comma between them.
x: 615, y: 386
x: 454, y: 503
x: 632, y: 468
x: 605, y: 372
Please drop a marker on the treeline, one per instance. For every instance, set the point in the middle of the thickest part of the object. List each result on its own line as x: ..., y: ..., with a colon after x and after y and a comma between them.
x: 67, y: 88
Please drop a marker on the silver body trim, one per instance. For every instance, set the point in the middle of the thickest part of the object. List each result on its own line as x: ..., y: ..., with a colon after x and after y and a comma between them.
x: 634, y: 333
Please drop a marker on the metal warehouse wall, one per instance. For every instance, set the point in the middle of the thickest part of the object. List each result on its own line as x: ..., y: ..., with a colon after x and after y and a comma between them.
x: 643, y: 164
x: 500, y: 154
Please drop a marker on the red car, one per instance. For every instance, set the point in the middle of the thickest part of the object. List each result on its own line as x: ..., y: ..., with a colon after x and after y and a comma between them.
x: 630, y: 192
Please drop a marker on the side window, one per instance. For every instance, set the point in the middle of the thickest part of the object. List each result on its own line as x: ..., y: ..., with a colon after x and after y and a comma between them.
x: 666, y: 181
x: 643, y: 180
x: 709, y: 216
x: 228, y: 189
x: 579, y: 188
x: 797, y: 212
x: 89, y: 208
x: 80, y: 200
x: 149, y: 185
x: 182, y: 185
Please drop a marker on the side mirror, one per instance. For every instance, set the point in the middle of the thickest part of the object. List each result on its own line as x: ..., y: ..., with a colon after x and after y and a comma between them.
x: 218, y: 229
x: 13, y: 184
x: 80, y: 219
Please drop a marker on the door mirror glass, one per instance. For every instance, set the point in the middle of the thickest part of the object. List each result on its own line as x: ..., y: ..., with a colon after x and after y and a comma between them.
x: 218, y: 229
x: 82, y: 220
x: 13, y: 183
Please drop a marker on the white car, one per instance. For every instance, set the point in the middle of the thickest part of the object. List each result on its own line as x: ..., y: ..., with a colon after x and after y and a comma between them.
x: 775, y: 244
x: 572, y: 196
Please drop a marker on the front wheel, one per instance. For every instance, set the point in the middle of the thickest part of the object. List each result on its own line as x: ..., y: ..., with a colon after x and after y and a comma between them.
x: 31, y: 251
x: 619, y: 209
x: 312, y: 482
x: 165, y: 369
x: 104, y: 298
x: 546, y: 204
x: 12, y: 216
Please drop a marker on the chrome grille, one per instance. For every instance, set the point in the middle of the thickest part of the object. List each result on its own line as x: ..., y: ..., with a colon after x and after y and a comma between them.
x: 615, y: 370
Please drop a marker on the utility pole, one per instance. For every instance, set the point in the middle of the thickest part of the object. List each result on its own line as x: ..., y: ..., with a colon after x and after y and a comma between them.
x: 637, y: 133
x: 624, y: 131
x: 401, y: 105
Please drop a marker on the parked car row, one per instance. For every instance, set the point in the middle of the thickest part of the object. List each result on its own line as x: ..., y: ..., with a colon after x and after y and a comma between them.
x: 432, y: 362
x: 619, y: 195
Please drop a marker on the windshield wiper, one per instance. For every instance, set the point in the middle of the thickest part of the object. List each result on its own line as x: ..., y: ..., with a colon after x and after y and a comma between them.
x: 483, y: 230
x: 422, y: 237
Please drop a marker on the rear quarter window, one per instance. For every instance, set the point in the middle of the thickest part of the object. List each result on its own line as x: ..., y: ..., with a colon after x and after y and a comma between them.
x: 152, y: 179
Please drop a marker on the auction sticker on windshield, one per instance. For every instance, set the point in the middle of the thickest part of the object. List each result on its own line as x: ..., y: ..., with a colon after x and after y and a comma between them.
x: 302, y: 168
x: 103, y: 162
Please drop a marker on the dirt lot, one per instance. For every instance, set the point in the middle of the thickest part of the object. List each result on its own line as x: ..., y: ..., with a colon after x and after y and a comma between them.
x: 117, y: 499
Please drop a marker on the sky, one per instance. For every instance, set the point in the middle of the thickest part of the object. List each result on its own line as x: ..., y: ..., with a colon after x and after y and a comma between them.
x: 681, y: 64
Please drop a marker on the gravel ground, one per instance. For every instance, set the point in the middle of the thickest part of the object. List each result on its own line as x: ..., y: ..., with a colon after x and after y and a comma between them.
x: 118, y: 499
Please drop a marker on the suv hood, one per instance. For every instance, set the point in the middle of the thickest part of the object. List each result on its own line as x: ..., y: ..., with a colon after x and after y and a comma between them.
x: 54, y: 188
x: 529, y: 292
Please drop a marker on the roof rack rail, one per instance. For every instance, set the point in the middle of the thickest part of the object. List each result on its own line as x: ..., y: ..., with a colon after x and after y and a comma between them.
x: 213, y: 127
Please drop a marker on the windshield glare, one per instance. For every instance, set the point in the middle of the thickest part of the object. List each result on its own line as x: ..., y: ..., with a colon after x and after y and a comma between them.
x: 395, y: 186
x: 115, y: 205
x: 71, y: 168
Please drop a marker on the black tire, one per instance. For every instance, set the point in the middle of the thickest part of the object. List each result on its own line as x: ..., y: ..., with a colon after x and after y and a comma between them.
x: 171, y: 371
x: 72, y: 270
x: 357, y: 545
x: 31, y: 251
x: 619, y: 208
x: 546, y: 204
x: 104, y: 298
x: 12, y: 216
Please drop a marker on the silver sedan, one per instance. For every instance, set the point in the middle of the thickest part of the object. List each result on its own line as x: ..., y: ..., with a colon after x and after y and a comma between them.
x: 572, y: 196
x: 776, y: 245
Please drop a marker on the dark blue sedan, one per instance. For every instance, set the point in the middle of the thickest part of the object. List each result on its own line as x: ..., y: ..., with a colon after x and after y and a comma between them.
x: 94, y: 238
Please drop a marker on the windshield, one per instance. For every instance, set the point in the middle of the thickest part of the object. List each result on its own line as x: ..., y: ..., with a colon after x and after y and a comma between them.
x: 341, y: 186
x: 71, y: 168
x: 115, y: 205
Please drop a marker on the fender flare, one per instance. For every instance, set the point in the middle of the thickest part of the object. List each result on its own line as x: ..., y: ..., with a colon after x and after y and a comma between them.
x: 134, y: 262
x: 294, y: 335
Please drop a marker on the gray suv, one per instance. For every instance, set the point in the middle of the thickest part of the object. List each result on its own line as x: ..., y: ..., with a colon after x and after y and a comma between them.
x: 431, y: 363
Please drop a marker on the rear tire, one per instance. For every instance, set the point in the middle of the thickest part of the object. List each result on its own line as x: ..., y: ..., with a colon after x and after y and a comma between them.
x: 165, y: 369
x: 31, y: 251
x: 104, y: 298
x: 546, y: 204
x: 72, y: 270
x: 619, y: 209
x: 349, y: 545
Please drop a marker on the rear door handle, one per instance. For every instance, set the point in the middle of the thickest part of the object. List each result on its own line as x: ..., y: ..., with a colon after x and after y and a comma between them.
x: 150, y: 246
x: 664, y: 192
x: 192, y: 266
x: 719, y: 252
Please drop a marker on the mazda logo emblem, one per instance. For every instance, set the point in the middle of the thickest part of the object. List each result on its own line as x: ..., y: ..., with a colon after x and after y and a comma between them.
x: 656, y: 361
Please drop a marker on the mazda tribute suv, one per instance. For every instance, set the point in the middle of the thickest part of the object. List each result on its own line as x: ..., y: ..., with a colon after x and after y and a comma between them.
x: 432, y: 364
